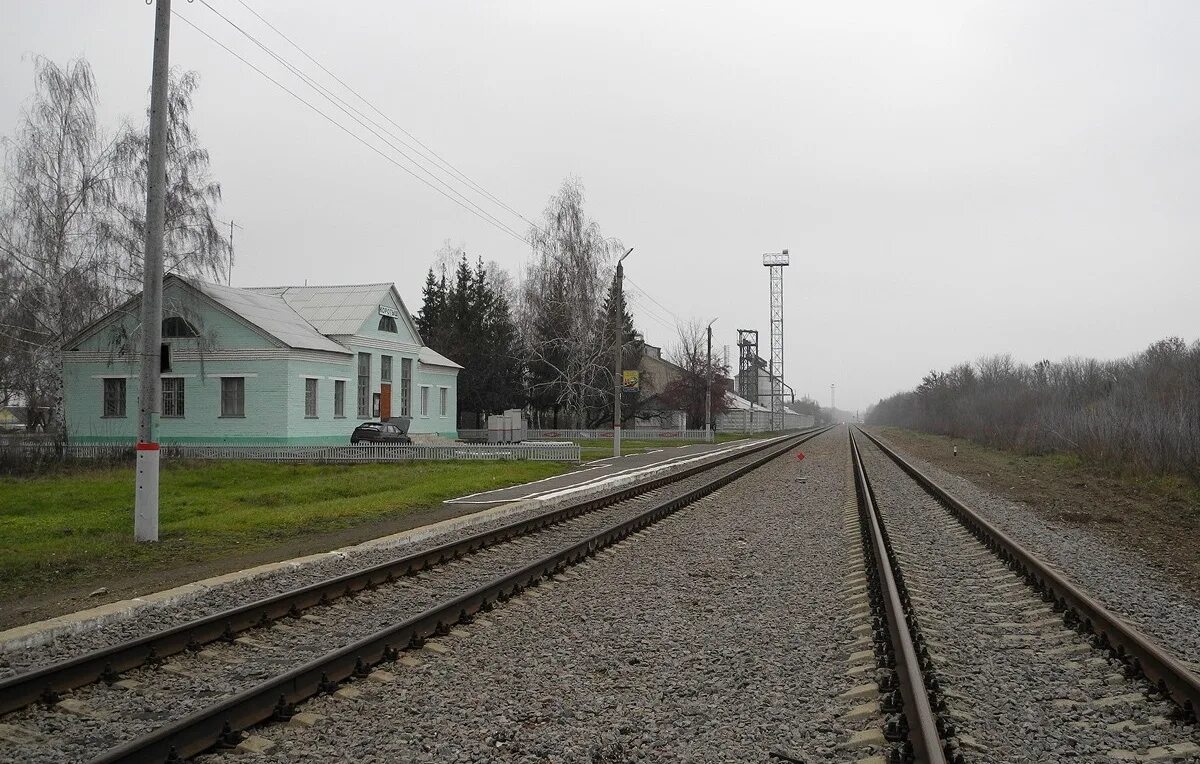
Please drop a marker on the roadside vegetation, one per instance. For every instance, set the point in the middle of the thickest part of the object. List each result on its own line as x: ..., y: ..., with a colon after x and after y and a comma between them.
x: 71, y: 529
x: 1138, y: 416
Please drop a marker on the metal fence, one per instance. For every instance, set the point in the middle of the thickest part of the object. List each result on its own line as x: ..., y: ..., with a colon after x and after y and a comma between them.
x: 358, y: 454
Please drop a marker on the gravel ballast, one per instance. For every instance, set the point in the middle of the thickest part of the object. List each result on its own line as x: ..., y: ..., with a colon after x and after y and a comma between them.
x: 717, y: 635
x: 1125, y: 583
x: 1021, y: 686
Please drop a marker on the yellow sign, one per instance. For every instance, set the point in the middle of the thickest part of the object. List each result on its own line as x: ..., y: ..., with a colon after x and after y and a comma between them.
x: 631, y: 381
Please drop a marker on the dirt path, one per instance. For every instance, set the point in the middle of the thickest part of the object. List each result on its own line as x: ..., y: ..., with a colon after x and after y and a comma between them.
x: 1157, y: 519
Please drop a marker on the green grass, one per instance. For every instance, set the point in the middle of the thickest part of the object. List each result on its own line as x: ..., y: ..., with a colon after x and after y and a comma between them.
x: 76, y: 526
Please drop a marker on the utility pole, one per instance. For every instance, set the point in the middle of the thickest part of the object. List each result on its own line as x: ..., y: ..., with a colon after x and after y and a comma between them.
x: 619, y: 315
x: 145, y: 509
x: 708, y: 375
x: 229, y: 272
x: 832, y: 416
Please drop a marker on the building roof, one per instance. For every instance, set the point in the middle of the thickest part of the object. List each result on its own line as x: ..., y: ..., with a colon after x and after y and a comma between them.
x: 431, y: 357
x: 272, y: 314
x: 338, y: 310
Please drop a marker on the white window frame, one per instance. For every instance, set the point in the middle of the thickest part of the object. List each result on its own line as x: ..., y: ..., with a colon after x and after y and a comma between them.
x: 182, y: 398
x: 339, y: 412
x: 221, y: 396
x: 443, y: 401
x: 425, y: 401
x: 315, y: 400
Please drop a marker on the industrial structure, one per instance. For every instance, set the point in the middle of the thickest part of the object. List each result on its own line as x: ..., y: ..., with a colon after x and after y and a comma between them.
x: 776, y: 262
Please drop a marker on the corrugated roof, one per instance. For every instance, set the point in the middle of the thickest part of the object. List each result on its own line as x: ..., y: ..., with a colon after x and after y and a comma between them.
x: 431, y: 357
x: 332, y: 309
x: 271, y: 314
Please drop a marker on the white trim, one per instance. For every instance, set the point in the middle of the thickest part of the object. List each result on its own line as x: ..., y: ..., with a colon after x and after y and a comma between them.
x: 176, y: 376
x: 373, y: 343
x: 231, y: 374
x: 311, y: 376
x: 339, y: 379
x: 114, y: 376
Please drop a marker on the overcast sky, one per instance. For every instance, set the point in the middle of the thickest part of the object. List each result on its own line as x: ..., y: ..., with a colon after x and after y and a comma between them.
x: 953, y: 179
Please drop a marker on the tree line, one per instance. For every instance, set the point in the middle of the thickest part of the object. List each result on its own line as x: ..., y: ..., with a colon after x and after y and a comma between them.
x: 1140, y: 414
x: 72, y: 221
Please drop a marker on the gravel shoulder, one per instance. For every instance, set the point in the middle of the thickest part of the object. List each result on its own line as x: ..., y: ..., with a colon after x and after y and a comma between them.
x: 718, y: 635
x: 1158, y: 601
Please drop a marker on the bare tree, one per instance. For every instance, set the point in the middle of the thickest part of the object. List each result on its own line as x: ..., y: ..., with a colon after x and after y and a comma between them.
x: 58, y: 186
x: 560, y: 296
x: 687, y: 391
x: 193, y: 243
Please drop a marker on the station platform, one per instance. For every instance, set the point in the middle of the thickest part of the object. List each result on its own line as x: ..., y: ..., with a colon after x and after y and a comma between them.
x: 596, y: 475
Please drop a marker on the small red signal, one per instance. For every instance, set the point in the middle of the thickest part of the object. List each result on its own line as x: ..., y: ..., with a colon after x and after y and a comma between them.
x: 800, y: 455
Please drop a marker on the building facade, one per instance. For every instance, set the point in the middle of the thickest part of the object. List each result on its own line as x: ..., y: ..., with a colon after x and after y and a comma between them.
x: 273, y: 365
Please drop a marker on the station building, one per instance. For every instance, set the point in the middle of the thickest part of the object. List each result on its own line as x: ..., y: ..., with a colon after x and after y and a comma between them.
x: 298, y: 365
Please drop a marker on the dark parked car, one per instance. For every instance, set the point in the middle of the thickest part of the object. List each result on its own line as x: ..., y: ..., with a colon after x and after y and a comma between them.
x: 379, y: 432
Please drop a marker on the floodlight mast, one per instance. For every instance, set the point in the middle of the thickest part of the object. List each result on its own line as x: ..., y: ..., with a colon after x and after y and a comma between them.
x: 776, y: 261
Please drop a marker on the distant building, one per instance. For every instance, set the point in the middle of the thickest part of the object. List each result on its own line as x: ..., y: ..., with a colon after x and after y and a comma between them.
x: 282, y: 365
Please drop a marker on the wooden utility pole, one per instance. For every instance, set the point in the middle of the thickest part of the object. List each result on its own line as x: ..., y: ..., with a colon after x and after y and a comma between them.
x: 619, y: 315
x: 145, y: 511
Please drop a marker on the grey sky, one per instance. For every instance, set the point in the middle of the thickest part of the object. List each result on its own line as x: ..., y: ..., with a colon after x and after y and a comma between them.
x: 953, y: 179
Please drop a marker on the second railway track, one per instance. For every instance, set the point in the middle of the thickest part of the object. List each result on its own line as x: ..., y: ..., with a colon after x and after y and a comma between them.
x: 162, y: 684
x: 996, y: 657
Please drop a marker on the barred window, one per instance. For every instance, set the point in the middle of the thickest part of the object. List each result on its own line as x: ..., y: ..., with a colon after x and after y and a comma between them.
x: 405, y: 385
x: 114, y: 397
x: 364, y: 385
x: 172, y: 396
x: 233, y: 396
x: 310, y: 398
x: 339, y: 397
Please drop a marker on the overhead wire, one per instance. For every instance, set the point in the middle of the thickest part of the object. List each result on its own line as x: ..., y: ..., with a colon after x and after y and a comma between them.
x: 429, y: 152
x: 362, y: 119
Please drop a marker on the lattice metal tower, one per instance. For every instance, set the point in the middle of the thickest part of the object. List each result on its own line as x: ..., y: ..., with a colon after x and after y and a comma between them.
x: 776, y: 261
x: 747, y: 378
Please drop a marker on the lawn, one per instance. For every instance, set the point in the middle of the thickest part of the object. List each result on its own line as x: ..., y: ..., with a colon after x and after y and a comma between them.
x: 75, y: 528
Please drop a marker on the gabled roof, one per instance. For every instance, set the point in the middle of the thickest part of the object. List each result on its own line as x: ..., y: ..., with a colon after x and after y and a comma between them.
x: 431, y: 357
x: 337, y: 310
x: 270, y: 313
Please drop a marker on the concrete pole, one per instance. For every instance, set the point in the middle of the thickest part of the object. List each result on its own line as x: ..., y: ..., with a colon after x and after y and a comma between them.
x: 145, y: 512
x: 619, y: 314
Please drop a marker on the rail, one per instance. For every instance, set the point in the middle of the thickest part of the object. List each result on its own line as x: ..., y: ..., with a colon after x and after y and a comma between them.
x: 1108, y: 630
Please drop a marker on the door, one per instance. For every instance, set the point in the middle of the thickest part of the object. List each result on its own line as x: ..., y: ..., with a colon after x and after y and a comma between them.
x: 385, y: 401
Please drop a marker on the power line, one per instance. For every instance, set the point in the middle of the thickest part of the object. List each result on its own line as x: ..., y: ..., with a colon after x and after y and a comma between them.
x: 340, y: 126
x: 430, y: 153
x: 356, y: 115
x: 656, y: 302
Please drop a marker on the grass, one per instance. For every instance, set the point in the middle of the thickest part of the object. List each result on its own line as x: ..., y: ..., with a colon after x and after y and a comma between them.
x: 598, y: 448
x: 74, y: 527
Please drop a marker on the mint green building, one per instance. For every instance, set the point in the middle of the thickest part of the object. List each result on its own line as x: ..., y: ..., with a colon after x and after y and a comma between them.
x: 273, y: 365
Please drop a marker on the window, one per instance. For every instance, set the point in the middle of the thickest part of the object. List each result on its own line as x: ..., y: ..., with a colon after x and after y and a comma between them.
x: 424, y: 400
x: 443, y: 395
x: 172, y: 397
x: 405, y: 385
x: 176, y: 327
x: 114, y: 397
x: 364, y: 385
x: 310, y: 398
x: 387, y: 324
x: 164, y: 358
x: 339, y: 398
x: 233, y: 396
x: 385, y: 368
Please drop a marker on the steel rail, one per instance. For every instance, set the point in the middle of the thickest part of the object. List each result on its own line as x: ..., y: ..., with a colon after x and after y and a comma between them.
x: 1083, y: 611
x: 927, y: 745
x: 48, y: 682
x: 275, y: 698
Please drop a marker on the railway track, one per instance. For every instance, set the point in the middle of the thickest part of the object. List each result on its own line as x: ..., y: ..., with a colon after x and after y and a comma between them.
x: 985, y: 653
x: 175, y: 693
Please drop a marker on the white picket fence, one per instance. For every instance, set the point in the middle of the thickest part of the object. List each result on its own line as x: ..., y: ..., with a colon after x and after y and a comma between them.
x: 357, y: 454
